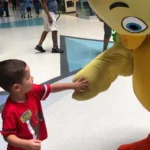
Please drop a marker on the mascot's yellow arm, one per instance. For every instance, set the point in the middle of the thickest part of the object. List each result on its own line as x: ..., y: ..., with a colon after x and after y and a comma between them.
x: 104, y: 69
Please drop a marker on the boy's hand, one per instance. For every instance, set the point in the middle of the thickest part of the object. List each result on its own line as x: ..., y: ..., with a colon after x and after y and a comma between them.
x: 80, y: 85
x: 50, y: 19
x: 34, y: 145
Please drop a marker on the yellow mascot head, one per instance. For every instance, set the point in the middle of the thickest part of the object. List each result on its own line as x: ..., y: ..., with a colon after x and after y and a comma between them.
x: 127, y: 17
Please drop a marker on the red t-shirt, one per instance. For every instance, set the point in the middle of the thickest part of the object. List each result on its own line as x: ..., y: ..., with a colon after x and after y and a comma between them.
x: 26, y: 120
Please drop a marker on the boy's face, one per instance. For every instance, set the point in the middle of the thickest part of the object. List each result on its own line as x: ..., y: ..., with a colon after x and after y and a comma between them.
x: 27, y: 81
x: 26, y: 84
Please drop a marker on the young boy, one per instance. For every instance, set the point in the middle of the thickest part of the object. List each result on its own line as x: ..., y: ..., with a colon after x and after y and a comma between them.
x: 23, y: 121
x: 50, y: 25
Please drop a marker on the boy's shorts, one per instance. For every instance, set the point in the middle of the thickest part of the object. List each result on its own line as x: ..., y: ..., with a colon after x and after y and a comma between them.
x: 28, y: 9
x: 48, y: 27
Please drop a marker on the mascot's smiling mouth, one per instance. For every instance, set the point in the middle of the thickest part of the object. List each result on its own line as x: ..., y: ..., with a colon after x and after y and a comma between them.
x: 118, y: 4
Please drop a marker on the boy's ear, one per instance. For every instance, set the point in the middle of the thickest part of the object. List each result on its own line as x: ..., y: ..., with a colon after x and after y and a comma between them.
x: 16, y: 87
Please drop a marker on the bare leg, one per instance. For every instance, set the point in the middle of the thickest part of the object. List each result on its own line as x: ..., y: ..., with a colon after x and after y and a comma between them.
x: 43, y: 36
x: 39, y: 46
x: 54, y: 39
x: 55, y: 48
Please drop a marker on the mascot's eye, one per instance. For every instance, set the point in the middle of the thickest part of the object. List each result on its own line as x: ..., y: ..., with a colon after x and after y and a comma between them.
x: 133, y: 24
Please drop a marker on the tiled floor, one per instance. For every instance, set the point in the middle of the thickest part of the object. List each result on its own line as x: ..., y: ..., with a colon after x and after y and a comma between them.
x: 103, y: 123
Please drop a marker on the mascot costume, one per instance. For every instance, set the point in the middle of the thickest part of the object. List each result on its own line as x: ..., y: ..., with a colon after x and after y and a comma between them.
x: 130, y: 54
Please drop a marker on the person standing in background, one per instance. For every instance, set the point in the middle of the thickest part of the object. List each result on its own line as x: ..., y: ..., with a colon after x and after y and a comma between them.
x: 36, y: 4
x: 107, y: 34
x: 6, y: 8
x: 14, y: 3
x: 28, y: 7
x: 22, y: 8
x: 1, y: 8
x: 50, y: 25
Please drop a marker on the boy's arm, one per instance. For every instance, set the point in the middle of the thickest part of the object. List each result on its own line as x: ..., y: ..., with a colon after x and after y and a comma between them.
x: 46, y: 10
x: 17, y: 142
x: 21, y: 143
x: 62, y: 86
x: 79, y: 85
x: 43, y: 91
x: 9, y: 129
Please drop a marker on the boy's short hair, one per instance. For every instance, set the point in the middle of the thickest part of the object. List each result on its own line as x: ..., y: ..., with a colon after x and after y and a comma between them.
x: 11, y: 72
